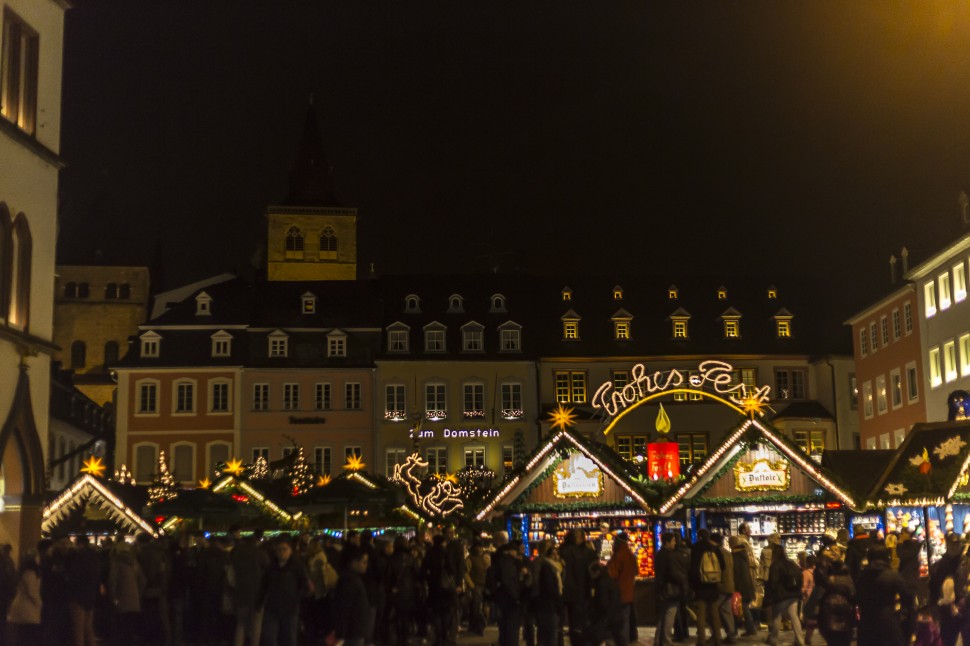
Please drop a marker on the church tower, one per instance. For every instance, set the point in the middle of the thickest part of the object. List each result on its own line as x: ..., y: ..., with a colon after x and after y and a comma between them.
x: 309, y: 235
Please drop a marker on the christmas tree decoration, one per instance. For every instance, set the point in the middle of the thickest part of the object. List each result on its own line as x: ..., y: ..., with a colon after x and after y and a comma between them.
x: 163, y: 487
x: 260, y: 469
x: 354, y: 463
x: 123, y: 476
x: 94, y: 466
x: 234, y: 466
x: 301, y: 478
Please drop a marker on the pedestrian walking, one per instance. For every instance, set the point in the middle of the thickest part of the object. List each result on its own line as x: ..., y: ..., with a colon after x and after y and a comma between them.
x: 836, y: 608
x: 783, y: 591
x: 475, y: 576
x: 248, y: 562
x: 505, y: 590
x: 726, y: 589
x: 351, y: 596
x: 744, y: 584
x: 84, y: 584
x: 547, y: 598
x: 622, y: 567
x: 24, y: 614
x: 402, y: 583
x: 284, y: 586
x: 577, y: 555
x: 671, y: 582
x: 946, y: 594
x: 442, y: 591
x: 125, y: 585
x: 879, y: 588
x: 605, y: 609
x: 706, y: 568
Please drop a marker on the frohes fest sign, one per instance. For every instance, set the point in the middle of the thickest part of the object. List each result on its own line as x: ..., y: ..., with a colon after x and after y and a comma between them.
x: 716, y: 375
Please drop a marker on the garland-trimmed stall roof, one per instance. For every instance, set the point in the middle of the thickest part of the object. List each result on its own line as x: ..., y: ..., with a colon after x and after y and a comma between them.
x: 928, y: 469
x: 547, y: 455
x: 119, y: 502
x: 748, y: 434
x: 858, y: 469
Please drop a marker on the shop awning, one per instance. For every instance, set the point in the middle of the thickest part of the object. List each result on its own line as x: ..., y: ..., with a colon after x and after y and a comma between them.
x: 120, y: 504
x: 930, y: 468
x: 550, y: 455
x: 757, y: 464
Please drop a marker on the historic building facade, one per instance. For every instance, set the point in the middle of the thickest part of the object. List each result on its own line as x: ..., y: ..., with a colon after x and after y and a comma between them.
x: 30, y: 108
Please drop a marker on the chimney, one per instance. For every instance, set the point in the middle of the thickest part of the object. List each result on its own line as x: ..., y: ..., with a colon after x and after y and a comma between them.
x: 904, y: 254
x: 892, y: 270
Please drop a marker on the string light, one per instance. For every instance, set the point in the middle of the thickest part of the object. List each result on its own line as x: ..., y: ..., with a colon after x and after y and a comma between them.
x: 254, y: 494
x: 442, y: 499
x: 90, y: 487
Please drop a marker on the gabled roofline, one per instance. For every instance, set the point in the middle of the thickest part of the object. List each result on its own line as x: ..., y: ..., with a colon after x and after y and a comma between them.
x: 881, y: 303
x: 61, y: 506
x: 921, y: 270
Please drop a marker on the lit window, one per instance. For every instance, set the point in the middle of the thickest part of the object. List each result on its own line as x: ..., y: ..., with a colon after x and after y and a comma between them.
x: 881, y: 406
x: 512, y: 401
x: 908, y: 317
x: 783, y: 328
x: 570, y: 330
x: 950, y: 360
x: 912, y: 382
x: 929, y: 295
x: 721, y: 293
x: 732, y: 328
x: 508, y: 458
x: 309, y: 303
x: 884, y: 441
x: 567, y: 294
x: 693, y: 447
x: 680, y: 329
x: 772, y: 293
x: 811, y: 442
x: 294, y: 244
x: 853, y: 392
x: 672, y: 292
x: 18, y: 102
x: 617, y: 293
x: 897, y: 331
x: 959, y: 283
x: 621, y: 329
x: 867, y: 399
x: 944, y: 281
x: 474, y: 400
x: 965, y: 355
x: 896, y: 386
x: 435, y: 399
x: 790, y: 383
x: 337, y: 345
x: 936, y: 373
x: 749, y: 377
x: 570, y: 386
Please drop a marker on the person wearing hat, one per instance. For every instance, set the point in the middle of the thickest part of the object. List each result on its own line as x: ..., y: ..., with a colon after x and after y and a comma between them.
x: 857, y: 552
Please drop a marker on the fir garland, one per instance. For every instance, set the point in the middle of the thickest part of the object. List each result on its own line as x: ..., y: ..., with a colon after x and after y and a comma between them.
x: 780, y: 499
x: 546, y: 507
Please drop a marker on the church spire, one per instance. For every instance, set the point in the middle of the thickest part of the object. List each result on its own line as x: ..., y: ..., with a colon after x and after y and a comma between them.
x: 311, y: 178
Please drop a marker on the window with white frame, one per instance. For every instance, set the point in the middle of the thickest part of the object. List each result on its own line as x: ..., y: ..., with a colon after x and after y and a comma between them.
x: 912, y: 382
x: 871, y: 443
x: 260, y: 396
x: 950, y: 361
x: 867, y: 403
x: 392, y: 458
x: 309, y: 303
x: 897, y: 330
x: 183, y: 462
x: 853, y: 392
x: 322, y: 396
x: 395, y: 408
x: 475, y: 456
x: 437, y: 458
x: 936, y: 370
x: 352, y: 398
x: 150, y: 344
x: 291, y: 396
x: 147, y: 397
x: 397, y: 340
x: 472, y: 338
x: 218, y: 453
x: 959, y: 283
x: 184, y: 397
x: 896, y: 388
x: 146, y: 462
x: 749, y: 377
x: 322, y: 460
x: 873, y: 338
x: 474, y: 401
x: 512, y: 401
x: 434, y: 339
x: 884, y: 441
x: 929, y: 298
x: 944, y: 282
x: 219, y: 396
x: 260, y: 452
x: 435, y: 401
x: 620, y: 379
x: 570, y: 386
x: 899, y: 436
x: 221, y: 344
x: 336, y: 345
x: 508, y: 459
x: 965, y: 355
x: 908, y: 317
x: 353, y: 452
x: 884, y: 330
x: 863, y: 341
x: 511, y: 338
x: 278, y: 345
x: 570, y: 330
x: 790, y: 383
x: 203, y: 304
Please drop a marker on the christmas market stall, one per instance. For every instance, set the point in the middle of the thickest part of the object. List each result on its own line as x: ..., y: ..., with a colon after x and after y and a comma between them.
x: 356, y: 500
x: 96, y: 506
x: 926, y: 486
x: 759, y: 477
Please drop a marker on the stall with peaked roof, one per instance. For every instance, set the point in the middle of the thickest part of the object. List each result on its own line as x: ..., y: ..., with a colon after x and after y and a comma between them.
x: 93, y: 505
x: 758, y: 476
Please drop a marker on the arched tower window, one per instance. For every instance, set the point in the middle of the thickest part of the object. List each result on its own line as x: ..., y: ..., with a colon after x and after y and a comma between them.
x: 20, y: 276
x: 6, y: 257
x: 110, y: 353
x: 294, y: 243
x: 79, y: 353
x: 328, y: 240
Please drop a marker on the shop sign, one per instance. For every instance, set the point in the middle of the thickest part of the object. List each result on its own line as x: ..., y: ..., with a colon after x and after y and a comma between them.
x: 762, y: 475
x: 455, y: 433
x: 716, y: 375
x: 577, y: 477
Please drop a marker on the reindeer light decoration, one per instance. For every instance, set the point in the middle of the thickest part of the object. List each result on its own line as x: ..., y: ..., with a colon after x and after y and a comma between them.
x: 442, y: 499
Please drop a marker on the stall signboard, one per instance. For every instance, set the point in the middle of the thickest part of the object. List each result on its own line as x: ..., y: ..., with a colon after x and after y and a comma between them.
x: 577, y: 477
x: 762, y: 475
x: 663, y: 460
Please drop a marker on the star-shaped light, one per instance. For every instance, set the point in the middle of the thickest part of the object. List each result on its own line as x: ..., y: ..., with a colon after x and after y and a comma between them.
x: 450, y: 477
x: 561, y: 418
x: 234, y: 466
x: 205, y: 483
x: 324, y: 480
x: 355, y: 462
x: 752, y: 405
x: 94, y: 466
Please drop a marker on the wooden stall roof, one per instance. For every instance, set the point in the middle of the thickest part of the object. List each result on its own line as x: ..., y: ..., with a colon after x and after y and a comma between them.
x: 122, y: 504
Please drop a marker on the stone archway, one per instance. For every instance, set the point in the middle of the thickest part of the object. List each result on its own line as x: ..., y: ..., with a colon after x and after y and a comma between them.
x: 22, y: 464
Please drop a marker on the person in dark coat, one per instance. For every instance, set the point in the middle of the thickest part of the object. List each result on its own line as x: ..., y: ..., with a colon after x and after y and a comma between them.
x: 705, y: 594
x: 951, y: 619
x: 577, y: 556
x: 506, y: 592
x: 605, y: 609
x: 547, y: 600
x: 680, y: 560
x: 8, y: 586
x: 153, y: 560
x: 84, y: 585
x: 876, y: 593
x: 783, y: 589
x: 907, y: 551
x: 671, y: 586
x: 402, y: 582
x: 55, y: 618
x: 442, y: 591
x: 857, y: 551
x: 210, y: 587
x: 455, y: 552
x: 249, y: 563
x: 836, y: 606
x: 743, y: 582
x: 284, y: 586
x: 352, y: 603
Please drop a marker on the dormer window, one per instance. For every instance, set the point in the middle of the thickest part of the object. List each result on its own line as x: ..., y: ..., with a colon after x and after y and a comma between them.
x: 772, y: 293
x: 567, y: 294
x: 679, y: 321
x: 336, y: 344
x: 570, y: 326
x: 783, y: 323
x: 279, y: 344
x: 398, y: 336
x: 434, y: 337
x: 680, y: 329
x: 617, y: 293
x: 732, y: 323
x: 309, y: 301
x: 672, y: 292
x: 455, y: 304
x: 784, y: 328
x: 510, y: 337
x: 150, y: 344
x: 722, y: 293
x: 412, y: 304
x: 203, y: 304
x: 221, y: 344
x: 472, y: 337
x: 621, y: 324
x: 498, y: 303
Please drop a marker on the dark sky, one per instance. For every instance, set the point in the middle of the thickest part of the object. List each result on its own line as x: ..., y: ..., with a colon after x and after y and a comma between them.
x: 798, y: 137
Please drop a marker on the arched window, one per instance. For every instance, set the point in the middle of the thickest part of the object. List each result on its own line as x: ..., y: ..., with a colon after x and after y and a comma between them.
x: 20, y: 276
x: 6, y: 256
x: 79, y: 353
x: 124, y: 291
x: 110, y: 353
x: 111, y: 290
x: 294, y: 240
x: 328, y: 240
x: 83, y: 290
x: 70, y: 290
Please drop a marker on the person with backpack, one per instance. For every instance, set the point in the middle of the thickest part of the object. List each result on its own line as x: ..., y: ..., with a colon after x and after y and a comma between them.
x: 879, y: 587
x: 783, y: 590
x: 836, y: 606
x: 726, y: 590
x: 706, y: 568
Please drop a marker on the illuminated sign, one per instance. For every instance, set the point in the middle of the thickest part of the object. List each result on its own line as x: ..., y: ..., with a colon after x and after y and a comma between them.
x: 716, y: 375
x: 762, y: 475
x: 456, y: 433
x: 577, y: 477
x: 663, y: 460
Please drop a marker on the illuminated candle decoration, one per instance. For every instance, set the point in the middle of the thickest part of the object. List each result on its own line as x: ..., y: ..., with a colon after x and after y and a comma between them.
x: 663, y: 460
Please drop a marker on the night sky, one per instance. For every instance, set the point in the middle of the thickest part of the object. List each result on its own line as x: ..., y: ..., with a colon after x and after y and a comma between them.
x: 727, y: 138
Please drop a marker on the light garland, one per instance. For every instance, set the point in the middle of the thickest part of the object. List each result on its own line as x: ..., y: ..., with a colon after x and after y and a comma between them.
x: 256, y: 495
x: 961, y: 472
x: 729, y: 445
x: 516, y: 479
x: 72, y: 498
x: 441, y: 500
x: 363, y: 479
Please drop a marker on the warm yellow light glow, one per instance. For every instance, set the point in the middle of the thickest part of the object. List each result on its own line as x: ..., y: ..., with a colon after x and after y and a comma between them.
x: 234, y: 466
x: 451, y: 477
x: 355, y: 463
x: 753, y: 405
x: 562, y: 418
x: 205, y: 483
x: 663, y: 422
x: 324, y: 480
x: 94, y: 466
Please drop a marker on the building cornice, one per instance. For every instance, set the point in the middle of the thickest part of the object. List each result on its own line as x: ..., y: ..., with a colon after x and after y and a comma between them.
x: 924, y: 268
x: 878, y: 305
